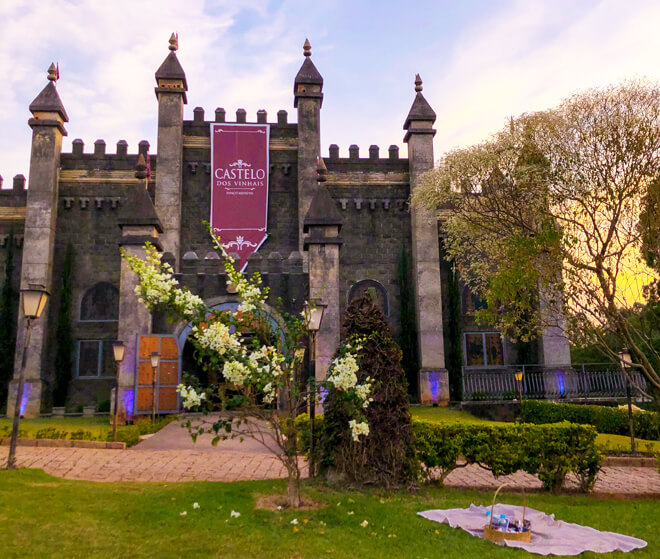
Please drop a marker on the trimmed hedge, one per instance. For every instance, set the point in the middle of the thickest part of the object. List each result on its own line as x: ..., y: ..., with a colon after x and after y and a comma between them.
x: 548, y: 451
x: 613, y: 421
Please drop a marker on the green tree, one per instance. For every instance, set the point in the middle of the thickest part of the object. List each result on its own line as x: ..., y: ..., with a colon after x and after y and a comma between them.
x: 8, y: 310
x: 386, y: 457
x: 544, y: 220
x: 64, y: 335
x: 408, y: 335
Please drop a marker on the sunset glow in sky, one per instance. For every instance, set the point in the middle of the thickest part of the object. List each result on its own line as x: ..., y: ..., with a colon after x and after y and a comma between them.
x: 481, y: 61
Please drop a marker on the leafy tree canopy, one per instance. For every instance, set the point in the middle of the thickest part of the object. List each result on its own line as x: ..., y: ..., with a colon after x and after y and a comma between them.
x: 543, y: 219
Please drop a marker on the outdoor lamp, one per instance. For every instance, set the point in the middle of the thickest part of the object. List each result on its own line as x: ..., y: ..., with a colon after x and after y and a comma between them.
x: 118, y: 349
x: 624, y: 358
x: 34, y: 300
x: 626, y: 362
x: 519, y: 376
x: 314, y: 314
x: 155, y: 359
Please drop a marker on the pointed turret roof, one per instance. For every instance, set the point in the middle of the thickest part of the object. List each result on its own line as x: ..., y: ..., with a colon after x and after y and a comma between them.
x: 171, y: 68
x: 420, y: 110
x: 48, y: 101
x: 323, y: 209
x: 308, y: 82
x: 308, y: 74
x: 139, y: 208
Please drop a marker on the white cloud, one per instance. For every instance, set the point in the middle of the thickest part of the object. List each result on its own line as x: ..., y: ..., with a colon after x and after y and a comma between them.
x: 535, y: 55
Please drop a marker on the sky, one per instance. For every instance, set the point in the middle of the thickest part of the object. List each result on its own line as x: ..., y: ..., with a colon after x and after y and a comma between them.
x: 481, y: 62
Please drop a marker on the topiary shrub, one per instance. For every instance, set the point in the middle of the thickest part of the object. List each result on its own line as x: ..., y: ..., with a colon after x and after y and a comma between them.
x: 387, y: 456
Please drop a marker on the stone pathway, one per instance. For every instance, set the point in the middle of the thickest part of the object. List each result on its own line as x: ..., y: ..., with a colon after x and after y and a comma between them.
x: 233, y: 465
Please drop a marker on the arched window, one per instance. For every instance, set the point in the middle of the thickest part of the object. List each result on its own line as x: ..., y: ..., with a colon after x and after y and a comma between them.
x: 100, y: 303
x: 375, y: 289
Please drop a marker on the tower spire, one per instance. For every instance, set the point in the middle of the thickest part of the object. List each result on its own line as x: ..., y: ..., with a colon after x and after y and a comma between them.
x: 174, y: 42
x: 307, y: 48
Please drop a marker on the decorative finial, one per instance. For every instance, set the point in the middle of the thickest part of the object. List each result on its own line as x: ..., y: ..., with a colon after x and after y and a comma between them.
x: 321, y: 170
x: 141, y: 167
x: 174, y: 42
x: 418, y: 83
x: 307, y: 48
x: 53, y: 72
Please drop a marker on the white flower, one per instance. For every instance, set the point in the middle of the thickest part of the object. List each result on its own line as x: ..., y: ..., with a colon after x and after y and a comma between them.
x: 189, y: 396
x: 364, y: 524
x: 344, y: 372
x: 350, y: 513
x: 294, y: 521
x: 195, y: 505
x: 234, y: 514
x: 183, y: 513
x: 358, y: 429
x: 216, y: 337
x: 279, y: 507
x: 235, y: 372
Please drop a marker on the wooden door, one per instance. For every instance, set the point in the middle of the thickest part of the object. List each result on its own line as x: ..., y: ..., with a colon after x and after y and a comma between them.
x: 168, y: 374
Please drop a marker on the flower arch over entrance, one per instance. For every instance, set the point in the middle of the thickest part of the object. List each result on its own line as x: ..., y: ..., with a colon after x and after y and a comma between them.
x: 188, y: 363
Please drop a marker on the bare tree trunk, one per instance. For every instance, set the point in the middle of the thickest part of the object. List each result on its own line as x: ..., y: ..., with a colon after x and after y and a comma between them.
x: 293, y: 487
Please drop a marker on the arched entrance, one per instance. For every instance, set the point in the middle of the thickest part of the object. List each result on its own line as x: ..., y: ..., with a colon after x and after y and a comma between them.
x: 189, y: 365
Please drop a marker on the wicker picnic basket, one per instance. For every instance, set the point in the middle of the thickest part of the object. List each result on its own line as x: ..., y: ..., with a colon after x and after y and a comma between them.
x: 493, y: 535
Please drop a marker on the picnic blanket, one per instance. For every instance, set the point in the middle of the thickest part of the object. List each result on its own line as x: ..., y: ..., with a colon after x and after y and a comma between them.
x: 549, y: 536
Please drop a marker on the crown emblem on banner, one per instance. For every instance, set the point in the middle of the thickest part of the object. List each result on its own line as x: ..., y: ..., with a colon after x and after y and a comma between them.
x: 240, y: 163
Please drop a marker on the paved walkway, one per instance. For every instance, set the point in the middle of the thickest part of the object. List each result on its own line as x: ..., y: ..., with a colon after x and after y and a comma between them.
x: 171, y: 456
x: 232, y: 465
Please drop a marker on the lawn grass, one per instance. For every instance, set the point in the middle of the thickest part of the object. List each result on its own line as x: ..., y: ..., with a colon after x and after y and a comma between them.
x: 617, y: 443
x: 42, y: 516
x: 82, y: 428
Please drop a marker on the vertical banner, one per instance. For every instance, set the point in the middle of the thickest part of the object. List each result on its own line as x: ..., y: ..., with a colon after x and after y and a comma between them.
x: 239, y: 187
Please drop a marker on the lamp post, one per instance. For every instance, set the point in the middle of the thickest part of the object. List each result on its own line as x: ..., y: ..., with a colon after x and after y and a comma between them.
x: 155, y: 359
x: 519, y: 378
x: 118, y: 349
x: 313, y: 316
x: 35, y: 298
x: 626, y: 362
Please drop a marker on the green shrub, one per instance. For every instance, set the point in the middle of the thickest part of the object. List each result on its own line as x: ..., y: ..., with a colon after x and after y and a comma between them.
x: 613, y: 421
x: 549, y: 451
x: 304, y: 434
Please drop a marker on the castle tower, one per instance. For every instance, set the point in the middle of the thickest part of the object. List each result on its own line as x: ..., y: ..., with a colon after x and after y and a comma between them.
x: 425, y: 250
x: 171, y: 93
x: 322, y: 225
x: 308, y: 98
x: 138, y: 223
x: 47, y: 123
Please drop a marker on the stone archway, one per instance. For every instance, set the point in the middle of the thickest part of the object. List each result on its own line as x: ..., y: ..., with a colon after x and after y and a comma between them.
x: 188, y: 363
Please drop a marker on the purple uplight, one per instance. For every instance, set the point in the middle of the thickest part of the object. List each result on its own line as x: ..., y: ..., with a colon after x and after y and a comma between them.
x: 434, y: 385
x: 560, y: 382
x: 128, y: 397
x: 26, y: 395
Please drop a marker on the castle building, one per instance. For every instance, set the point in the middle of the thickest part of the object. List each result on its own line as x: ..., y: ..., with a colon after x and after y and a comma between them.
x: 334, y: 228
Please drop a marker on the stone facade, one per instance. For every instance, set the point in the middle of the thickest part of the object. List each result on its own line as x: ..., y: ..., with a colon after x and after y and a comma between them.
x: 326, y: 240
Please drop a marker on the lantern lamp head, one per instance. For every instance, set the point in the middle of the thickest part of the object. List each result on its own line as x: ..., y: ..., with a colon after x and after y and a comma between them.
x: 519, y: 376
x: 35, y: 298
x: 118, y: 350
x: 155, y: 359
x: 313, y: 313
x: 624, y: 358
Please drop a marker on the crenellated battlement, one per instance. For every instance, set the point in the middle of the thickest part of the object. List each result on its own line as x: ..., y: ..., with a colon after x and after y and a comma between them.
x: 241, y: 118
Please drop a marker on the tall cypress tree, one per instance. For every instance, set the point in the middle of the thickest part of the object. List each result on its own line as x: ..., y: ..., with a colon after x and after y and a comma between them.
x: 408, y: 336
x: 8, y: 315
x: 454, y: 334
x: 64, y: 335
